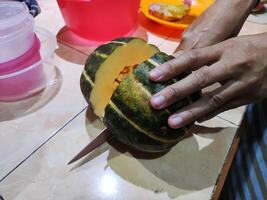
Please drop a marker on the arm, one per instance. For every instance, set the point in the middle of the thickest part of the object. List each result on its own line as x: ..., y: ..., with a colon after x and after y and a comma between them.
x: 221, y: 21
x: 238, y: 63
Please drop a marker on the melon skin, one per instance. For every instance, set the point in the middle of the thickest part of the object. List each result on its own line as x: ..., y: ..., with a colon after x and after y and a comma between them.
x: 127, y: 134
x: 131, y: 118
x: 128, y: 113
x: 93, y: 63
x: 97, y: 58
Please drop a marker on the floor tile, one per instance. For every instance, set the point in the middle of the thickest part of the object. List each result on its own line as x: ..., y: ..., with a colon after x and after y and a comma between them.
x: 188, y: 171
x: 34, y: 129
x: 25, y: 124
x: 233, y: 116
x: 250, y: 28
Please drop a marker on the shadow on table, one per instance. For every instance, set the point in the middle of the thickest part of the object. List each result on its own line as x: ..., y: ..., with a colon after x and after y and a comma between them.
x: 71, y: 55
x: 73, y: 48
x: 192, y: 165
x: 69, y: 42
x: 17, y: 109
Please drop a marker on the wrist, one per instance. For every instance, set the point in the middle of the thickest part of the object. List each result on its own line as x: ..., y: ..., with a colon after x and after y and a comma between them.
x: 261, y: 46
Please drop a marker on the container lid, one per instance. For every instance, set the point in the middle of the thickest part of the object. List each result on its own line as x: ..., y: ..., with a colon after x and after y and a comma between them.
x: 12, y: 14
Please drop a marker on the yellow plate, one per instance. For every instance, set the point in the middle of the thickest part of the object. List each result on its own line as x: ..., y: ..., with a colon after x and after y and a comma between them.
x: 197, y: 7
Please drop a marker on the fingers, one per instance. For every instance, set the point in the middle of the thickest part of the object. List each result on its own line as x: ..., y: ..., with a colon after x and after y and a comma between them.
x: 191, y: 37
x: 228, y: 106
x: 207, y: 104
x: 188, y: 61
x: 190, y: 40
x: 186, y: 45
x: 197, y: 80
x: 178, y: 53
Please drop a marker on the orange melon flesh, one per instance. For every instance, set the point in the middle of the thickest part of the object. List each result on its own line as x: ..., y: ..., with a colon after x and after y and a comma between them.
x: 130, y: 54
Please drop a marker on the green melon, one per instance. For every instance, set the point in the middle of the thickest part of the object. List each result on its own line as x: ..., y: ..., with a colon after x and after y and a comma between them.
x: 116, y: 84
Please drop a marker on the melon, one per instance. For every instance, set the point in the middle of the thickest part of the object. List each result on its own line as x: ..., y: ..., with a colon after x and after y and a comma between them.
x: 115, y: 82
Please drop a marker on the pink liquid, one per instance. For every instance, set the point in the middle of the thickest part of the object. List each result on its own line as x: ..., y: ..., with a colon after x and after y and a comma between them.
x: 22, y: 84
x: 100, y: 20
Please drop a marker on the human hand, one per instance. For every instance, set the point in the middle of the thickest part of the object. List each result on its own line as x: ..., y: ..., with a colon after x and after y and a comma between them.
x: 240, y: 64
x: 219, y: 22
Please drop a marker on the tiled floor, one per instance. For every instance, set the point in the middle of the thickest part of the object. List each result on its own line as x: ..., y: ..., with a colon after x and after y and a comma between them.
x: 40, y: 135
x: 25, y: 125
x: 188, y: 170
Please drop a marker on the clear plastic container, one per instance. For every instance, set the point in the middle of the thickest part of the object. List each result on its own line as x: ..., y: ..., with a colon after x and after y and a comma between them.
x: 16, y: 30
x: 30, y: 79
x: 100, y: 20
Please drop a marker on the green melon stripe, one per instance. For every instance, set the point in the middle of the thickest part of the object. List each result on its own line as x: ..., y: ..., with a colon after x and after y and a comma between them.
x: 140, y: 85
x: 102, y: 55
x: 148, y: 134
x: 152, y: 62
x: 87, y: 77
x: 118, y: 42
x: 155, y: 64
x: 143, y: 88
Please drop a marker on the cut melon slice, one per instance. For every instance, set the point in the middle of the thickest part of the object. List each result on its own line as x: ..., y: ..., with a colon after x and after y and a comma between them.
x: 110, y: 71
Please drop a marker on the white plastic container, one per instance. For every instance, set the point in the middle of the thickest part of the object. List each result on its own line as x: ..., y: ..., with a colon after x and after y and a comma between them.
x: 34, y: 77
x: 16, y: 30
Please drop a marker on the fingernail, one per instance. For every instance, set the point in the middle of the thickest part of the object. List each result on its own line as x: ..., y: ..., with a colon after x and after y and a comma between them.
x: 176, y: 121
x: 158, y: 101
x: 155, y: 74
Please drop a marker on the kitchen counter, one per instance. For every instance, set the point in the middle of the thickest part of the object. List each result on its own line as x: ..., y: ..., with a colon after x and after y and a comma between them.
x: 39, y: 135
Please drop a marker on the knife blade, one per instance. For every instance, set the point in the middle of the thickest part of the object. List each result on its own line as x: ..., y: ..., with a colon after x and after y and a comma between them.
x: 103, y: 137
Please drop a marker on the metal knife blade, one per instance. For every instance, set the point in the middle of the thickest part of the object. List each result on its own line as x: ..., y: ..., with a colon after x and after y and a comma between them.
x: 103, y: 137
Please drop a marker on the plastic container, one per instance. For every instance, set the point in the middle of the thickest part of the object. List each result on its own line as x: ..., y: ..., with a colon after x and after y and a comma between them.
x: 25, y: 68
x: 100, y: 20
x: 16, y: 30
x: 28, y: 58
x: 31, y: 72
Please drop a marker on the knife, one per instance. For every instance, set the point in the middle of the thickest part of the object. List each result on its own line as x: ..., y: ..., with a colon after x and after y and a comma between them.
x: 103, y: 137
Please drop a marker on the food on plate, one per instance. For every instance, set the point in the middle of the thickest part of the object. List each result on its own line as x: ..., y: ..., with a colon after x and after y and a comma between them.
x: 116, y: 84
x: 169, y: 12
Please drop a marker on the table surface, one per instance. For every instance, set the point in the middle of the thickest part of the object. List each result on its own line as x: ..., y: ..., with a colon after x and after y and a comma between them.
x: 38, y: 139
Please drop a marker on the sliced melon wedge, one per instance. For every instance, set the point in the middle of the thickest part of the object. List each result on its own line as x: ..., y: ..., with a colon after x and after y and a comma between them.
x: 115, y: 65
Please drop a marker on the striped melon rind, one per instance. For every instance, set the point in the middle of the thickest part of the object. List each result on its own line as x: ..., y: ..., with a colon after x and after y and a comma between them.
x: 129, y: 134
x: 94, y: 61
x: 129, y: 109
x: 128, y: 112
x: 108, y: 60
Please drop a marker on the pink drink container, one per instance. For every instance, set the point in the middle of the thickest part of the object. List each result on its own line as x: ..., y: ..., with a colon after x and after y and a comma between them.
x: 100, y: 20
x: 21, y: 69
x: 23, y: 76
